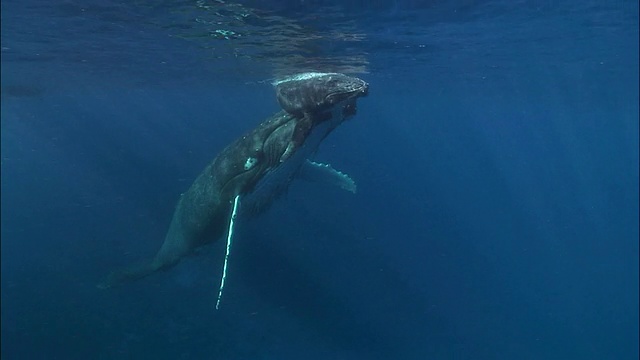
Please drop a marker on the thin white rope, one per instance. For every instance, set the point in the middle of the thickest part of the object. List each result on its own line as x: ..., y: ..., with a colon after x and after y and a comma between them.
x: 226, y: 256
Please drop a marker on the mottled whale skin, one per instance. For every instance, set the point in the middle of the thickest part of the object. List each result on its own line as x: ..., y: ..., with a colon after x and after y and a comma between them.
x: 272, y: 153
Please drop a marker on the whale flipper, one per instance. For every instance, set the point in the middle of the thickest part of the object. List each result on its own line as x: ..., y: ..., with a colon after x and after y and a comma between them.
x: 324, y: 173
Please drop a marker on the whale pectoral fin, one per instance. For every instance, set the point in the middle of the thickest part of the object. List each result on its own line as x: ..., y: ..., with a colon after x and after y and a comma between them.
x: 232, y: 219
x: 318, y: 172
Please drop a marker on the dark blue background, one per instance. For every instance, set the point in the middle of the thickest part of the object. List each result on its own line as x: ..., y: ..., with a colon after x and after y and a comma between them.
x: 496, y: 215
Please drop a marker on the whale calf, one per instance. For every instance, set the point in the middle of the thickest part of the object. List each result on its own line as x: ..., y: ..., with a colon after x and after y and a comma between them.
x: 251, y: 172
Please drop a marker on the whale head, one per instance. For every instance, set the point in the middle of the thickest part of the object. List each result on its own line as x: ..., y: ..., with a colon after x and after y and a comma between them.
x: 315, y: 92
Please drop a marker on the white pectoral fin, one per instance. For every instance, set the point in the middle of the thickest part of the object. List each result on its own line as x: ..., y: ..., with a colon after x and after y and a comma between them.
x: 324, y: 173
x: 232, y: 219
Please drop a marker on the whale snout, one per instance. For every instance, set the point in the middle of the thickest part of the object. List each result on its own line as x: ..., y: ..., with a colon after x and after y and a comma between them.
x: 365, y: 89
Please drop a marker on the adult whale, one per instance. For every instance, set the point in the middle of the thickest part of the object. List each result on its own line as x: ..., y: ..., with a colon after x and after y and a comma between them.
x: 257, y: 167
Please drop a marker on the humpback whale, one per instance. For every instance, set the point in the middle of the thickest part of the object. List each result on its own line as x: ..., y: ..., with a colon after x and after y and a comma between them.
x: 247, y: 175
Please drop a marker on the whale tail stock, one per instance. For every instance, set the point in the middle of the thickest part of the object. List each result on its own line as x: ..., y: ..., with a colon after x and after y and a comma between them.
x: 127, y: 274
x: 173, y: 249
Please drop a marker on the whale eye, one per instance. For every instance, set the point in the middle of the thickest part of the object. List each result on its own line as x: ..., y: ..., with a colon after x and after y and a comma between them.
x: 251, y: 162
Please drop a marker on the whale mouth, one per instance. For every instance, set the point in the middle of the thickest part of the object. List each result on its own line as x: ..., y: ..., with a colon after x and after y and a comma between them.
x: 350, y: 108
x: 361, y: 90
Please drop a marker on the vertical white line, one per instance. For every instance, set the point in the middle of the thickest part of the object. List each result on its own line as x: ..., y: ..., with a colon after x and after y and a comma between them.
x: 226, y: 256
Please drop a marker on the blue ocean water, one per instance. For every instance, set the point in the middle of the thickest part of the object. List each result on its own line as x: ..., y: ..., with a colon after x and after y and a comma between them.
x: 496, y: 158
